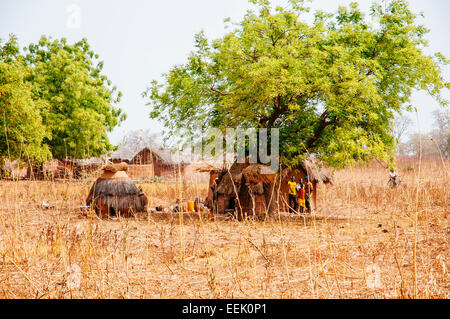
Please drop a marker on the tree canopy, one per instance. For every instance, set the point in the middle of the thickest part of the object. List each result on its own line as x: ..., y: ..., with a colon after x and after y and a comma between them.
x: 80, y: 101
x: 55, y: 100
x: 21, y: 129
x: 332, y: 86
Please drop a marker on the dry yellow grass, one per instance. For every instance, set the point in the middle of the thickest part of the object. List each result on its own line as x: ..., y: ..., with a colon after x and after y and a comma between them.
x: 364, y: 241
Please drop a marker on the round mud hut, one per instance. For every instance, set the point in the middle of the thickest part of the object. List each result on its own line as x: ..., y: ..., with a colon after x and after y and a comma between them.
x: 115, y: 194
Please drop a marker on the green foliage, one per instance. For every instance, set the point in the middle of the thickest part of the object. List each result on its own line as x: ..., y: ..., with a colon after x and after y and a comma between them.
x: 79, y: 100
x: 21, y: 128
x: 54, y: 101
x: 332, y: 87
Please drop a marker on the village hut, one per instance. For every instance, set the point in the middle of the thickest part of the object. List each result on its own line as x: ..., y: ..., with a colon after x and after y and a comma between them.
x: 65, y: 168
x: 54, y: 169
x: 14, y: 170
x: 210, y: 171
x: 150, y: 162
x: 85, y: 167
x: 255, y: 190
x: 245, y: 189
x: 114, y: 193
x: 226, y: 188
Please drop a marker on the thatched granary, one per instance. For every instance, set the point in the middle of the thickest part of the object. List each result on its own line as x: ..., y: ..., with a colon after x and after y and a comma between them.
x: 254, y: 189
x: 114, y: 193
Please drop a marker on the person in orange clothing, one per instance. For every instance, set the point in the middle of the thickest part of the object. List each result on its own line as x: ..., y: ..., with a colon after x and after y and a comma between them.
x: 301, y: 196
x: 292, y: 189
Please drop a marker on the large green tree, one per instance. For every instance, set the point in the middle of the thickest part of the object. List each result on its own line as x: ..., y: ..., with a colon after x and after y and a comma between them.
x: 21, y: 129
x: 80, y: 102
x: 332, y: 86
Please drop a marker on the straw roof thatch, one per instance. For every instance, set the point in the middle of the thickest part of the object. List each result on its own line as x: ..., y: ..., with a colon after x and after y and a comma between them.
x: 167, y: 157
x: 312, y: 168
x: 257, y: 173
x: 114, y: 168
x: 88, y: 162
x: 114, y: 192
x: 13, y: 169
x: 230, y: 180
x: 206, y: 167
x: 254, y: 174
x: 316, y: 172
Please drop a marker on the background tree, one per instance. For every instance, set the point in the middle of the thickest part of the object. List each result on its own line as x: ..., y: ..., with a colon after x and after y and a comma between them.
x: 332, y: 87
x: 433, y: 144
x: 21, y: 129
x: 418, y: 142
x: 79, y: 101
x: 401, y: 126
x: 441, y: 135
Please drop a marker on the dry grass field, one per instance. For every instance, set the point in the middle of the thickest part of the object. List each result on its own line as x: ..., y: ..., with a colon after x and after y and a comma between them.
x: 365, y: 240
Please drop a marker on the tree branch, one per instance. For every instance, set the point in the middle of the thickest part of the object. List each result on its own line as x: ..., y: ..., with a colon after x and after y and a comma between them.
x: 212, y: 88
x: 322, y: 125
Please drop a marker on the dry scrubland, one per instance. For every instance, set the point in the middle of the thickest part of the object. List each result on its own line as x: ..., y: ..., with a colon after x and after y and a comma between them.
x: 361, y: 227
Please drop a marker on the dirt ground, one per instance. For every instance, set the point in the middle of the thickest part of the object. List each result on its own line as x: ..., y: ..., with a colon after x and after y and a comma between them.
x: 364, y: 240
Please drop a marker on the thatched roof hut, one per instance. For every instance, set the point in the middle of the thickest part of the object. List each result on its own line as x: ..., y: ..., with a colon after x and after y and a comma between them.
x: 141, y: 156
x: 312, y: 168
x: 245, y: 189
x: 86, y: 166
x: 163, y: 162
x: 252, y: 189
x: 13, y: 170
x: 114, y: 193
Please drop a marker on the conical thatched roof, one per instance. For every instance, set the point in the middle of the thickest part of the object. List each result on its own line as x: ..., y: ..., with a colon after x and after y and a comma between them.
x: 258, y: 173
x: 317, y: 173
x: 165, y: 156
x: 313, y: 169
x: 115, y: 192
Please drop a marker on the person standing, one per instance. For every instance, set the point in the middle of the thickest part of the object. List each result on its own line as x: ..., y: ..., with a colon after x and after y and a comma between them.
x: 301, y: 196
x: 292, y: 189
x: 214, y: 195
x: 394, y: 178
x: 300, y: 184
x: 308, y: 193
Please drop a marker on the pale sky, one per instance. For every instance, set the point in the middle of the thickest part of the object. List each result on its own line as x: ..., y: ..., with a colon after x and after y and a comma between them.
x: 140, y: 40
